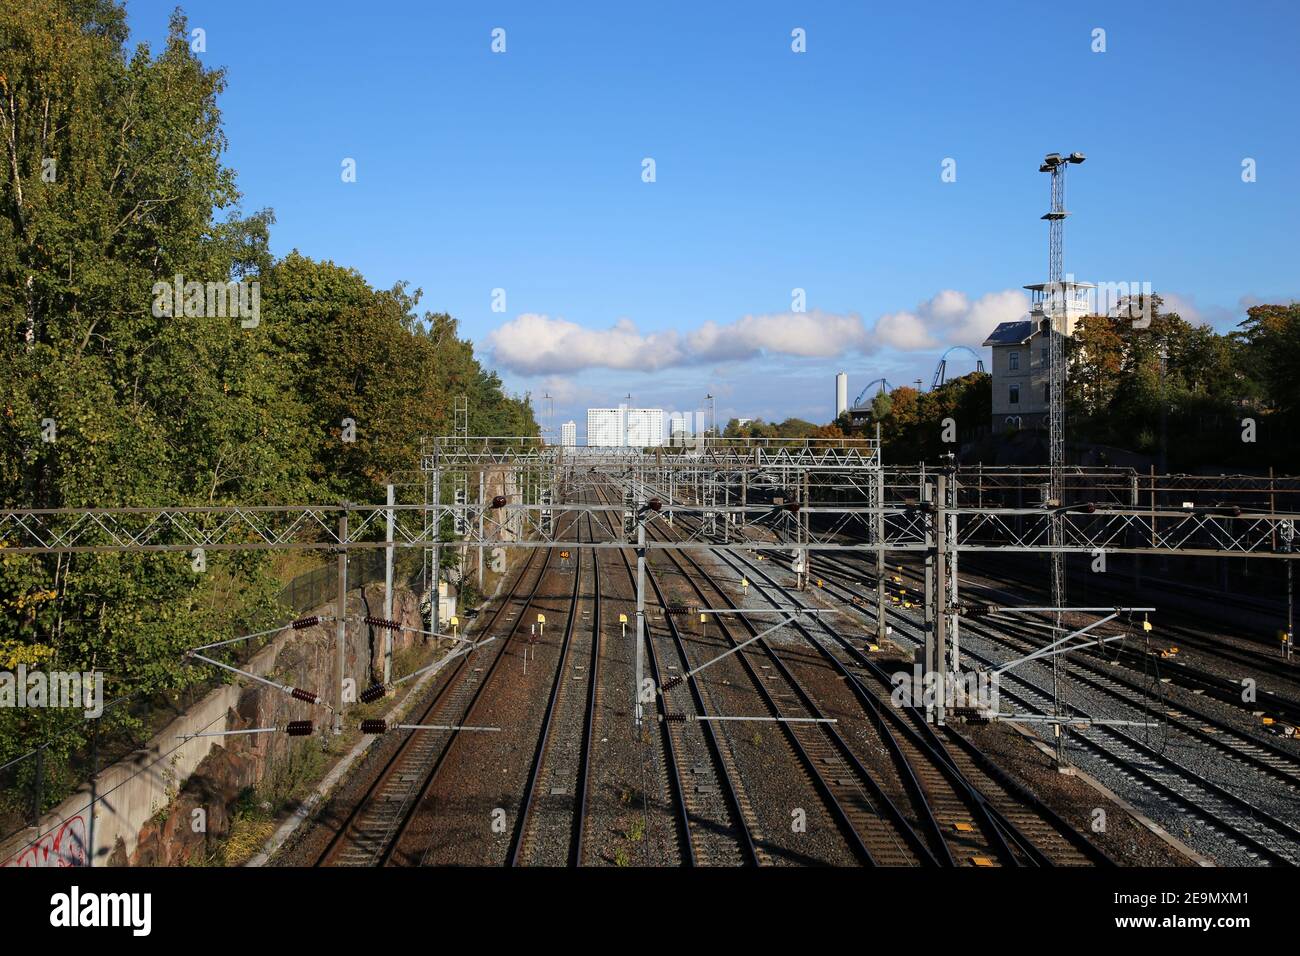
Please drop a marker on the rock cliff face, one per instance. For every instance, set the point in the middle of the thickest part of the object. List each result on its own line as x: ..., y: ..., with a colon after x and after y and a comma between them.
x: 240, y: 764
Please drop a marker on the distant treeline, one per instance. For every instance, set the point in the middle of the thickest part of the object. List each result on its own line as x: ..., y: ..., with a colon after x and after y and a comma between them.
x: 1227, y: 400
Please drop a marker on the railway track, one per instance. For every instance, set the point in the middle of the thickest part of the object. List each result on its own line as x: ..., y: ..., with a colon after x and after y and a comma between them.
x: 549, y: 830
x: 1134, y: 689
x: 426, y: 839
x: 612, y: 681
x: 716, y: 819
x: 963, y: 786
x: 996, y: 822
x: 1248, y: 752
x: 367, y: 835
x: 1198, y: 679
x: 1259, y: 834
x: 875, y: 829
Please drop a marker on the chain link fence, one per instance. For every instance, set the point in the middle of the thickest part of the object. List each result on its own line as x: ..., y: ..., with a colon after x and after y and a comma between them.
x: 311, y: 589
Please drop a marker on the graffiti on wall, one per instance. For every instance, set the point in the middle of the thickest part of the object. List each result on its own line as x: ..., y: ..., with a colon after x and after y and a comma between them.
x: 64, y: 846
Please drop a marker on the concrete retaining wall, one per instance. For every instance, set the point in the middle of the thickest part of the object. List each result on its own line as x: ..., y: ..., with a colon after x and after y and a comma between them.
x: 140, y: 810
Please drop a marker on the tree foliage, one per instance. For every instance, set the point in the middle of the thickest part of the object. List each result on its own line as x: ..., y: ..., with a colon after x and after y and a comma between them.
x: 111, y: 180
x: 1135, y: 377
x: 1132, y: 381
x: 757, y: 428
x: 912, y: 422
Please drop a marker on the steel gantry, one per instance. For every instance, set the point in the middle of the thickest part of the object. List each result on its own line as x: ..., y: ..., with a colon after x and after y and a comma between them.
x: 1086, y: 528
x: 800, y: 498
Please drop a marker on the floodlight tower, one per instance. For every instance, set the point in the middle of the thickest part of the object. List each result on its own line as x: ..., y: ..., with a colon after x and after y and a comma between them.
x: 1057, y: 324
x: 1056, y: 164
x: 548, y: 414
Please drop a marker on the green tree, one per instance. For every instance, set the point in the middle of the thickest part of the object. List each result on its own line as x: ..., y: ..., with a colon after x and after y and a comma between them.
x: 111, y: 182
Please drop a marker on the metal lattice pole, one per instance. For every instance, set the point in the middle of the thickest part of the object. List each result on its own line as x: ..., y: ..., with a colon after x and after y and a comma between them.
x: 1057, y: 324
x: 878, y: 501
x: 341, y: 629
x: 435, y: 579
x: 388, y: 588
x: 640, y: 609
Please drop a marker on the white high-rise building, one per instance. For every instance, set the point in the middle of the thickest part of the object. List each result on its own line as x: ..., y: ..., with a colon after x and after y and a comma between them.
x: 625, y: 427
x: 841, y: 393
x: 679, y: 430
x: 569, y: 434
x: 645, y: 427
x: 605, y: 428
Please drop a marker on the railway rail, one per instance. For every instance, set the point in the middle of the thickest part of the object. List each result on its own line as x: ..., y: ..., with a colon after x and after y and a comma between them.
x: 962, y: 824
x: 1195, y: 678
x: 1025, y: 830
x: 1111, y: 677
x: 559, y: 779
x: 716, y: 820
x: 1261, y: 834
x: 876, y: 830
x: 366, y: 836
x: 424, y: 835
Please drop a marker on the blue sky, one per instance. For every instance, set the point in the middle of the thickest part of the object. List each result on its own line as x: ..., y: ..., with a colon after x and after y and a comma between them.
x: 775, y: 171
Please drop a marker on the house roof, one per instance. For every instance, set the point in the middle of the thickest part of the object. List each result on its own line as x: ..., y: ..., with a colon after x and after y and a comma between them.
x: 1011, y: 333
x: 1063, y: 284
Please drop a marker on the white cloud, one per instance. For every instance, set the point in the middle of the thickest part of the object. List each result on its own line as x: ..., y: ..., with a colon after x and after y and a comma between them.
x: 537, y: 344
x: 1185, y: 306
x: 903, y: 330
x: 950, y: 318
x: 565, y: 391
x: 533, y: 344
x: 802, y: 334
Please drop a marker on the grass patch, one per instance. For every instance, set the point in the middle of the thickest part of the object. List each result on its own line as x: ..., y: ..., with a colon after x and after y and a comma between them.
x: 254, y: 816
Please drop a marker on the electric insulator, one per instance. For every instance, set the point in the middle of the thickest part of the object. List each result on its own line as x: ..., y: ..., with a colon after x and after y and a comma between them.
x: 674, y: 718
x: 670, y: 683
x: 302, y: 622
x: 300, y: 694
x: 654, y: 504
x: 376, y: 725
x: 382, y: 622
x: 372, y: 694
x: 298, y: 728
x: 500, y: 501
